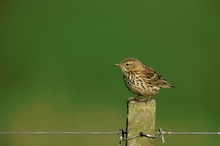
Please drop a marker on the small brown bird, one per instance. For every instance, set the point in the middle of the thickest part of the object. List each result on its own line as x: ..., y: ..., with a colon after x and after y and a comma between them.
x: 141, y: 79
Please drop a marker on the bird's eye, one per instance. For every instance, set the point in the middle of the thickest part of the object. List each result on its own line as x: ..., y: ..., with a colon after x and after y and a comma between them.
x: 127, y: 64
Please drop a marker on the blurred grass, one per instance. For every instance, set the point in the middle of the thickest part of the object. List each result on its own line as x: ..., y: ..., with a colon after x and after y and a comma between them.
x: 57, y: 73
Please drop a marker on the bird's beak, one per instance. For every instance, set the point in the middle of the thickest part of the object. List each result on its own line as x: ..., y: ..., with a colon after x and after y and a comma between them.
x: 117, y: 64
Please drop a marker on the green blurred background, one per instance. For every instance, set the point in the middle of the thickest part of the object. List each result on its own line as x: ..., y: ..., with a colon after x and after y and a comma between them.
x: 57, y: 73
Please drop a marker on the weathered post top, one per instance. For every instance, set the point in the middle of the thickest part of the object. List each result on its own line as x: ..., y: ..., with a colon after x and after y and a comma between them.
x: 141, y: 118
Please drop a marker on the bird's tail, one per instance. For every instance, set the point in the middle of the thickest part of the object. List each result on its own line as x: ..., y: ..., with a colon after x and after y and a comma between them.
x: 165, y: 84
x: 172, y: 86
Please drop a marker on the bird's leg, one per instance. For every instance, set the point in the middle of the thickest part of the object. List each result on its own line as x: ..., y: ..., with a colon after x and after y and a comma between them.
x: 148, y: 99
x: 139, y: 99
x: 134, y: 98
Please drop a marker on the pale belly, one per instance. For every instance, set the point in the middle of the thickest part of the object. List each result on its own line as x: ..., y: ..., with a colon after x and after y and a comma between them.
x: 139, y: 87
x: 148, y: 91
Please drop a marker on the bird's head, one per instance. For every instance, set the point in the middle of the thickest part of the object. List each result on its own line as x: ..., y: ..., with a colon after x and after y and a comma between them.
x: 129, y: 64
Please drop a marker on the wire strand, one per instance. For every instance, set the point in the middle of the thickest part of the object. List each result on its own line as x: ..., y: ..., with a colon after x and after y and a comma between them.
x: 103, y: 133
x: 189, y: 133
x: 59, y: 133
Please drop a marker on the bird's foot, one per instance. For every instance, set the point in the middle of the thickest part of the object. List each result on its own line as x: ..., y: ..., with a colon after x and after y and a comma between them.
x: 147, y: 100
x: 137, y: 99
x: 133, y: 99
x: 144, y: 100
x: 141, y: 100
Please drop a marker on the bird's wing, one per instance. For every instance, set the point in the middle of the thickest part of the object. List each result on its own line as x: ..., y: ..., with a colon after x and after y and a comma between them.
x: 154, y: 78
x: 150, y: 74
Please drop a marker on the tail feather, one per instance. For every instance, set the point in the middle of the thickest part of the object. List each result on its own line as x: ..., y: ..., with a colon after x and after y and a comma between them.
x: 166, y: 85
x: 172, y: 86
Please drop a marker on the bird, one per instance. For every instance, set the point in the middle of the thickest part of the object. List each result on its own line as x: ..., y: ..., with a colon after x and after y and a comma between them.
x: 141, y: 79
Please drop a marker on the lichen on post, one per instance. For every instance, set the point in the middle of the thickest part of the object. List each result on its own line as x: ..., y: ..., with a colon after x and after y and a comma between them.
x: 141, y: 118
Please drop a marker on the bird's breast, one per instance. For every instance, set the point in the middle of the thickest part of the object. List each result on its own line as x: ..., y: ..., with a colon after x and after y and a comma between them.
x: 136, y: 84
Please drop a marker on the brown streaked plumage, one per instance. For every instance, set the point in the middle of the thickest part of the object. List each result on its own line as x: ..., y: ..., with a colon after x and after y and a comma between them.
x: 141, y: 79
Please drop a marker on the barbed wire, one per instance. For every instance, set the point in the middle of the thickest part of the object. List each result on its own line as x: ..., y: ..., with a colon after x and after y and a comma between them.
x: 159, y: 134
x: 59, y: 133
x: 103, y: 133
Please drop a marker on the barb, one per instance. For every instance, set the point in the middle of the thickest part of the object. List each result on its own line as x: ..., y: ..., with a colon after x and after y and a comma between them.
x: 161, y: 134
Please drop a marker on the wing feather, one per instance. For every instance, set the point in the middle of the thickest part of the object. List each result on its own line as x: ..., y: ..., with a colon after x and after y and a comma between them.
x: 152, y: 77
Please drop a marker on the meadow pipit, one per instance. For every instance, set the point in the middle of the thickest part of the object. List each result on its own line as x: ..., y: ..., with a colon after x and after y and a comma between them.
x: 141, y: 79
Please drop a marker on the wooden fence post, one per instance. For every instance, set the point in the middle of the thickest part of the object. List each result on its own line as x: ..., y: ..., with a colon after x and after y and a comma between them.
x: 140, y: 118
